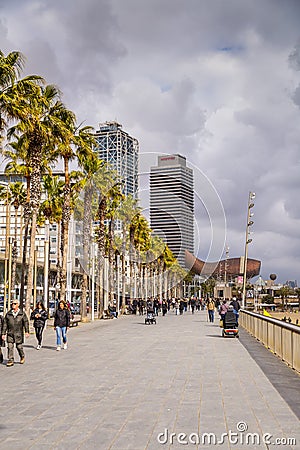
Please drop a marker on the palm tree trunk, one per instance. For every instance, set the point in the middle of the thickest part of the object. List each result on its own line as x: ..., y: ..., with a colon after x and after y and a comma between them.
x: 86, y: 245
x: 101, y: 247
x: 58, y: 262
x: 111, y: 259
x: 35, y: 196
x: 25, y: 236
x: 123, y: 262
x: 31, y: 263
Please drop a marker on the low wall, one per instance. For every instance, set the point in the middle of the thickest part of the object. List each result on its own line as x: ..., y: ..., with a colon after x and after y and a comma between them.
x: 281, y: 338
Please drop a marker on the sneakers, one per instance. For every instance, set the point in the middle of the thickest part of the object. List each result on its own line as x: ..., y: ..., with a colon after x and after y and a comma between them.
x: 9, y: 363
x: 38, y: 347
x: 65, y: 346
x: 22, y: 360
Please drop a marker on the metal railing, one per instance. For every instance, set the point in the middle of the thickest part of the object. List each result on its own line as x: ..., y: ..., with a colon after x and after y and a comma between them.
x: 280, y: 337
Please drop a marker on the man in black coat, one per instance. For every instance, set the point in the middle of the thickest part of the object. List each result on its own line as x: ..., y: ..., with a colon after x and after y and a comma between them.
x: 15, y: 323
x: 236, y: 305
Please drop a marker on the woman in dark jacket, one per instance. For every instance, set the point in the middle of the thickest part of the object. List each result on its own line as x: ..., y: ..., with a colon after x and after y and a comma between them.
x: 61, y: 324
x: 39, y: 317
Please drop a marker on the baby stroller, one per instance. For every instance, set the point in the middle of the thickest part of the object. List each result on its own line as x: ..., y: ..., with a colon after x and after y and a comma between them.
x: 150, y: 318
x: 230, y: 325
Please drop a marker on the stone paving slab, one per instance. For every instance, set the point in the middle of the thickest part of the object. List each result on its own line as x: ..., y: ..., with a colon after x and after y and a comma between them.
x: 121, y: 383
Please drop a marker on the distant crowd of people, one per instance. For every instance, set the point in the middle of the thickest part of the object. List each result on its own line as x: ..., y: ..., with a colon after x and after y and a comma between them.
x: 181, y: 305
x: 177, y: 305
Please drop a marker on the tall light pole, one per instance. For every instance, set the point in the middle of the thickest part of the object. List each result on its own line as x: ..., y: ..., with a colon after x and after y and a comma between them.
x: 226, y: 265
x: 93, y: 252
x: 6, y: 261
x: 35, y: 265
x: 46, y: 265
x: 248, y: 240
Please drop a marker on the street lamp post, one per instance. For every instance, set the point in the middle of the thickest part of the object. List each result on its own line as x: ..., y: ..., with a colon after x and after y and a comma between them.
x: 94, y: 249
x: 247, y: 242
x: 46, y: 266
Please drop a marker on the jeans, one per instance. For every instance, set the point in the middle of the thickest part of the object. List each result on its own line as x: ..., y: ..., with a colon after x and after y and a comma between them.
x: 61, y: 331
x: 211, y: 315
x: 237, y: 318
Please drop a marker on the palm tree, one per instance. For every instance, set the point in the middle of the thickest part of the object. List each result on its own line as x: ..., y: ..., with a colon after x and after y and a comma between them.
x: 10, y: 68
x: 74, y: 142
x: 115, y: 198
x: 155, y: 262
x: 18, y: 164
x: 126, y: 212
x: 11, y: 86
x: 14, y: 93
x: 51, y: 206
x: 208, y: 287
x: 105, y: 180
x: 18, y: 198
x: 51, y: 210
x: 91, y: 166
x: 15, y: 195
x: 142, y: 235
x: 284, y: 292
x: 39, y: 127
x: 13, y: 89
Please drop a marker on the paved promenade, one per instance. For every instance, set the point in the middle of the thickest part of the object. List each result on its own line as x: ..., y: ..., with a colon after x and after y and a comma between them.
x: 121, y: 384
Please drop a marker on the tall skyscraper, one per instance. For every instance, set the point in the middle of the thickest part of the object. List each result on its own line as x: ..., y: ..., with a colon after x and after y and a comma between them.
x: 120, y: 150
x: 172, y: 204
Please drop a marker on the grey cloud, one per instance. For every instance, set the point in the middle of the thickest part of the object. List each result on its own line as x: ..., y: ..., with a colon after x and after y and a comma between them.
x: 294, y: 57
x: 180, y: 26
x: 40, y: 53
x: 296, y: 96
x: 77, y: 41
x: 174, y: 112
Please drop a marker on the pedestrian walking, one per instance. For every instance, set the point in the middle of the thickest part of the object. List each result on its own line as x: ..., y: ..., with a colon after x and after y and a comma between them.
x: 164, y: 307
x: 141, y: 307
x: 61, y: 324
x: 2, y: 341
x: 236, y: 307
x: 223, y: 309
x: 181, y: 307
x: 211, y: 310
x: 193, y: 304
x: 39, y: 317
x: 14, y: 324
x: 176, y: 307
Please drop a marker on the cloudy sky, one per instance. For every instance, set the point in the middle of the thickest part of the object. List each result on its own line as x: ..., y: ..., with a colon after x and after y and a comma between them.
x: 216, y: 81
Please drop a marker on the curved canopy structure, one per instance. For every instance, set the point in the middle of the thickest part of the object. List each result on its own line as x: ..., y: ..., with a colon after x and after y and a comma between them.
x: 232, y: 266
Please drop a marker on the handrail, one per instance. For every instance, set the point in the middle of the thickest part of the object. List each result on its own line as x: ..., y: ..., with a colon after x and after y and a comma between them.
x: 280, y: 337
x: 279, y: 322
